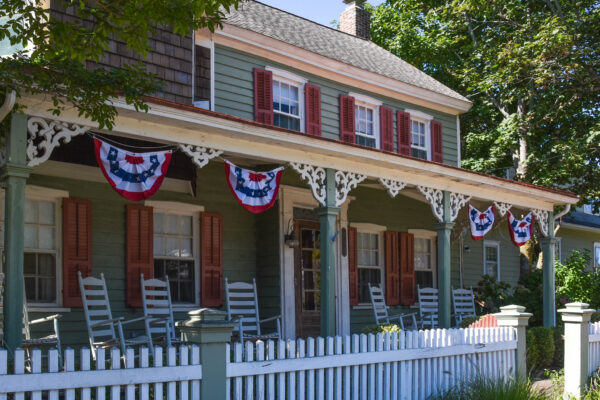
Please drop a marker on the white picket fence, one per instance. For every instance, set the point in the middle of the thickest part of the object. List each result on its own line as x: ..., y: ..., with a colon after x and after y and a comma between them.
x: 408, y: 365
x: 594, y: 348
x: 172, y: 374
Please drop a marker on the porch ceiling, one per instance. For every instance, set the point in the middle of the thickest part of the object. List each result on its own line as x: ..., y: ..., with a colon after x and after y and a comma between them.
x: 175, y: 123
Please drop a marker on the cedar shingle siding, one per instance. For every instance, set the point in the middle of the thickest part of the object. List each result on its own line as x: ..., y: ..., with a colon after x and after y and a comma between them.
x: 170, y: 59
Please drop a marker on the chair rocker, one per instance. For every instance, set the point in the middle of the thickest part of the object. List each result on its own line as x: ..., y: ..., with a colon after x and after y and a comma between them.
x: 463, y: 303
x: 380, y: 310
x: 158, y: 310
x: 104, y: 330
x: 242, y: 303
x: 428, y: 307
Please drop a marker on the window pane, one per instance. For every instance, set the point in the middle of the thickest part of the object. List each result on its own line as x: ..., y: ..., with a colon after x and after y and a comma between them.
x: 294, y: 93
x: 30, y: 291
x: 172, y: 247
x: 366, y: 276
x: 172, y: 224
x: 46, y: 212
x: 30, y: 237
x: 491, y: 269
x: 46, y: 290
x: 285, y: 90
x: 186, y: 225
x: 30, y: 211
x: 46, y: 237
x: 491, y: 253
x: 597, y: 255
x: 158, y: 246
x: 29, y: 264
x: 46, y: 265
x: 186, y: 247
x: 424, y: 278
x: 158, y: 223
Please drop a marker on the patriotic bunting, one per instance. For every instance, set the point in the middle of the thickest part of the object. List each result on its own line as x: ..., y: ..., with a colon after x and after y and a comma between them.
x: 481, y: 222
x: 520, y: 230
x: 255, y: 191
x: 135, y: 176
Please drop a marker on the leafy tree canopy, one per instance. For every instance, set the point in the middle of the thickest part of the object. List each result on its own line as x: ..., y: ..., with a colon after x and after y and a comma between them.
x: 532, y: 71
x: 52, y: 59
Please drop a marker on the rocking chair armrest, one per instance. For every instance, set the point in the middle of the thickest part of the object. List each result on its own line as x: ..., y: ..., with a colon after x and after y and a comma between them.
x: 107, y: 322
x: 45, y: 319
x: 130, y: 321
x: 276, y: 317
x: 398, y: 316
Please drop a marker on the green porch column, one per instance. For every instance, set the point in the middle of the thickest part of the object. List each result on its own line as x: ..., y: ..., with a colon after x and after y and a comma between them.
x: 548, y: 244
x: 327, y: 217
x: 444, y: 229
x: 14, y: 176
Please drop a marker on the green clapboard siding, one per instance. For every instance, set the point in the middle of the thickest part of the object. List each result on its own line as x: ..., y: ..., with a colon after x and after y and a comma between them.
x: 576, y: 240
x: 249, y: 241
x: 234, y: 95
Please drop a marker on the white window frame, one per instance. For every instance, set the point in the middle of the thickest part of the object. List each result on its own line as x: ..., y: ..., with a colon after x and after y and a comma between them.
x: 294, y: 80
x: 596, y: 246
x: 432, y: 236
x: 491, y: 243
x: 55, y: 196
x: 558, y: 249
x: 363, y: 227
x: 184, y: 209
x: 373, y: 104
x: 426, y: 119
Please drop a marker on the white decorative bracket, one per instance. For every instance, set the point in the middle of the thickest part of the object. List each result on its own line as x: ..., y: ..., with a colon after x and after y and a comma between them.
x: 502, y: 208
x: 44, y: 136
x: 315, y: 177
x: 345, y: 182
x: 457, y: 201
x: 542, y: 219
x: 393, y: 187
x: 200, y: 155
x: 435, y: 197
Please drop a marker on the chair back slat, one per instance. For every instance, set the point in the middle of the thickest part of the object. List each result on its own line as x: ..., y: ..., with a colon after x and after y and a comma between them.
x: 428, y: 306
x: 379, y: 307
x: 242, y: 303
x: 96, y: 308
x: 463, y: 302
x: 156, y: 299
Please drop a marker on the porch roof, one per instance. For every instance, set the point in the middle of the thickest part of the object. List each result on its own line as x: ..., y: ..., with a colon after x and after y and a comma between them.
x: 171, y: 122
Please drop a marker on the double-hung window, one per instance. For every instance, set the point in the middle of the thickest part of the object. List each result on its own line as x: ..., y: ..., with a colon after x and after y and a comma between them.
x: 491, y: 259
x: 176, y: 249
x: 42, y: 241
x: 420, y: 134
x: 288, y: 100
x: 597, y: 255
x: 369, y: 252
x: 366, y: 120
x: 424, y: 257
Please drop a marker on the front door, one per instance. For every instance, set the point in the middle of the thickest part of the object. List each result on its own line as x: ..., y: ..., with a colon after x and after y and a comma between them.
x: 307, y: 279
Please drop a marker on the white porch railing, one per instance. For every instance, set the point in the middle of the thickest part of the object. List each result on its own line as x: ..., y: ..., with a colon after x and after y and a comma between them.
x: 593, y: 348
x: 408, y: 365
x: 171, y: 374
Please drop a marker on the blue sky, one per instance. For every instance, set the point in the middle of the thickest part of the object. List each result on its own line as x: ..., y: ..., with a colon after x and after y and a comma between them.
x: 321, y: 11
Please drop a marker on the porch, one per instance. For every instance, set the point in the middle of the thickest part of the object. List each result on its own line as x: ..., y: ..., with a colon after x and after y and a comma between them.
x: 329, y: 191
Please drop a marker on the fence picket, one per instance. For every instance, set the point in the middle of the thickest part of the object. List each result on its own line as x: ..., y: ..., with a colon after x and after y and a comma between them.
x: 115, y: 363
x: 19, y: 368
x: 3, y: 368
x: 184, y: 386
x: 249, y: 380
x: 338, y: 370
x: 310, y: 378
x: 158, y: 362
x: 329, y: 371
x: 260, y: 379
x: 291, y: 382
x: 84, y: 360
x: 171, y: 362
x: 195, y: 384
x: 143, y: 362
x: 238, y: 354
x: 129, y: 364
x: 36, y: 368
x: 363, y: 368
x: 379, y: 368
x: 270, y: 377
x: 281, y: 376
x: 320, y: 386
x: 100, y: 365
x: 347, y: 350
x: 301, y: 378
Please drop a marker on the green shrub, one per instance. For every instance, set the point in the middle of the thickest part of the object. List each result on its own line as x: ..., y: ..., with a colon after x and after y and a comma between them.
x: 486, y: 389
x: 528, y: 293
x: 559, y: 346
x: 576, y: 281
x: 596, y: 316
x: 540, y: 347
x: 491, y: 294
x: 465, y: 322
x: 382, y: 328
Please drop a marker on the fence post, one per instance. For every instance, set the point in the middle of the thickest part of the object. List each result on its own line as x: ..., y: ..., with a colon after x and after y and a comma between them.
x: 576, y: 317
x: 516, y: 317
x: 211, y: 331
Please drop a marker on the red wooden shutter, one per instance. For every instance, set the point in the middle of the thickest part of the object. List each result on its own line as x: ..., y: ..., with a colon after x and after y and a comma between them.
x: 211, y: 242
x: 352, y: 266
x: 407, y: 269
x: 312, y: 100
x: 140, y: 250
x: 386, y: 123
x: 392, y: 269
x: 263, y: 96
x: 403, y: 131
x: 347, y: 133
x: 77, y: 247
x: 436, y: 142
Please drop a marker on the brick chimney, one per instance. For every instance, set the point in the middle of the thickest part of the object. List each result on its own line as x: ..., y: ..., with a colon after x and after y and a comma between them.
x: 355, y: 20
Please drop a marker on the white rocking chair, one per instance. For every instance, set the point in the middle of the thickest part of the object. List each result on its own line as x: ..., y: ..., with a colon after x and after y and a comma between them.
x: 159, y: 324
x: 242, y: 303
x: 98, y: 317
x: 380, y: 310
x: 463, y: 303
x: 428, y: 307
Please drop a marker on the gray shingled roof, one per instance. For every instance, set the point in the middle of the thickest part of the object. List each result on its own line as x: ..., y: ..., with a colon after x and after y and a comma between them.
x: 331, y: 43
